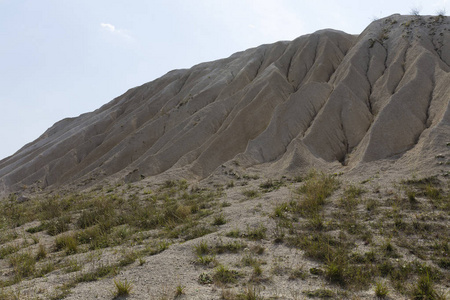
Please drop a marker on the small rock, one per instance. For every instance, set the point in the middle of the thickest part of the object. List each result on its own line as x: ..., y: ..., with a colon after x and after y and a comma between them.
x: 22, y: 199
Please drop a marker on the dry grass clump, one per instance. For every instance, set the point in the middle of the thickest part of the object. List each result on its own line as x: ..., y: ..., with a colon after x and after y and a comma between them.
x: 123, y: 288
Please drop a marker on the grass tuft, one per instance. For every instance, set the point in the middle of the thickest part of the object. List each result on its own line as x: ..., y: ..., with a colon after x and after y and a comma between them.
x: 123, y: 288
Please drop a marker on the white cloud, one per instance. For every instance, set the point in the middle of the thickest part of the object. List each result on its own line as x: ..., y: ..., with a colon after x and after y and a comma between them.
x: 109, y: 27
x: 120, y: 32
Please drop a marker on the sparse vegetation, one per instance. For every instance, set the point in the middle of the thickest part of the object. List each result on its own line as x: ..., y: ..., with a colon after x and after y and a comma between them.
x: 327, y: 226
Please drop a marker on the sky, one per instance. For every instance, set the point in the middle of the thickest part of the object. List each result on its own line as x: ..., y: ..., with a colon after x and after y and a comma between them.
x: 62, y: 58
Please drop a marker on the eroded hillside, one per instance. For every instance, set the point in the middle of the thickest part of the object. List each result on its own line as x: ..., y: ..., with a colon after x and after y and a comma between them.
x: 327, y: 100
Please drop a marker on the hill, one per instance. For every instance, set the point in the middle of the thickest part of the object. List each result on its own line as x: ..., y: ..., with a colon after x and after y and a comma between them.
x: 327, y: 100
x: 315, y: 168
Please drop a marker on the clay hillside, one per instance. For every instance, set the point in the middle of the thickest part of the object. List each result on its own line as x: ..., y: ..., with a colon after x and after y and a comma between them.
x: 324, y: 100
x: 312, y: 168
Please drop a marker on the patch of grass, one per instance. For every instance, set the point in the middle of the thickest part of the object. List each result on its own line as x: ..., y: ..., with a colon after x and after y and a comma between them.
x: 41, y: 253
x: 249, y: 260
x: 24, y: 265
x: 424, y: 288
x: 258, y: 249
x: 207, y: 260
x: 316, y: 246
x: 351, y: 197
x: 252, y: 292
x: 7, y: 250
x: 335, y: 271
x: 250, y: 176
x: 315, y: 190
x: 381, y: 290
x: 224, y: 275
x: 67, y: 242
x: 219, y: 220
x: 72, y: 265
x: 432, y: 192
x: 179, y: 290
x: 157, y: 248
x: 271, y: 185
x: 319, y: 293
x: 256, y: 233
x: 281, y: 211
x: 250, y: 193
x: 202, y: 248
x: 232, y: 247
x: 235, y: 233
x: 39, y: 228
x: 420, y: 182
x: 58, y: 225
x: 371, y: 205
x: 128, y: 258
x: 297, y: 273
x: 46, y: 268
x: 205, y: 278
x: 123, y: 288
x: 100, y: 272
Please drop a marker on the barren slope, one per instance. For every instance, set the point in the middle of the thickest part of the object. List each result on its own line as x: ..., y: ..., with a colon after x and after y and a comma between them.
x: 324, y: 100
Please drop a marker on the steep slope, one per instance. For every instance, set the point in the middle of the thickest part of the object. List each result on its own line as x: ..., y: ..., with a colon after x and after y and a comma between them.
x: 325, y: 100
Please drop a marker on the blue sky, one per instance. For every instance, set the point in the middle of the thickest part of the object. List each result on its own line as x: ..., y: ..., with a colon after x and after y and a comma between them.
x: 62, y: 58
